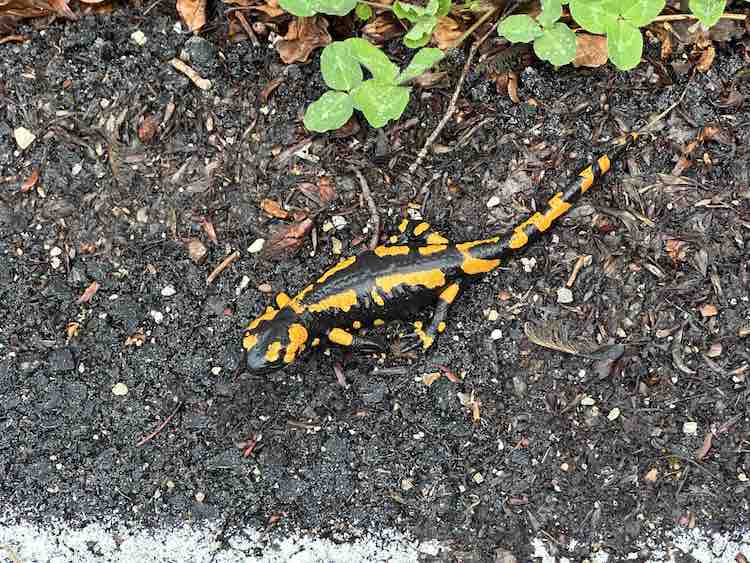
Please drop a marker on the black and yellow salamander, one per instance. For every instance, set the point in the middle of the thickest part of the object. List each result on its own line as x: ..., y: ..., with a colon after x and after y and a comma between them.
x: 418, y: 268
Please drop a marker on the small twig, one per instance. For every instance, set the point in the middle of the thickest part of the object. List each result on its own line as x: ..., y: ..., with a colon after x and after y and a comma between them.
x: 223, y: 266
x: 580, y: 263
x: 374, y: 217
x: 197, y: 79
x: 679, y: 17
x: 160, y: 427
x: 249, y: 30
x: 452, y: 105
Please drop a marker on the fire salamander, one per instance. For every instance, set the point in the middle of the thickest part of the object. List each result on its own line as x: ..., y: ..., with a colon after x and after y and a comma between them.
x: 418, y: 268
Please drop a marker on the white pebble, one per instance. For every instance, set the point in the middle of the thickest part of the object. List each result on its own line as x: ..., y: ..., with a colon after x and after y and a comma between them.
x: 588, y: 401
x: 120, y: 390
x: 55, y: 251
x: 168, y: 291
x: 492, y: 315
x: 55, y: 262
x: 157, y: 316
x: 257, y: 246
x: 496, y: 334
x: 138, y: 37
x: 494, y: 201
x: 528, y: 264
x: 613, y: 414
x: 690, y: 427
x: 339, y: 222
x: 564, y: 295
x: 244, y: 282
x: 23, y: 137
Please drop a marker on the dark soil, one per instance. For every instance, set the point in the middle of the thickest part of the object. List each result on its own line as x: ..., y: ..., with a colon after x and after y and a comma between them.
x: 547, y: 458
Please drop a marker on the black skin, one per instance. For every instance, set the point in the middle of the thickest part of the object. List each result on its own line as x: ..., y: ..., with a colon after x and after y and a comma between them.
x: 429, y: 271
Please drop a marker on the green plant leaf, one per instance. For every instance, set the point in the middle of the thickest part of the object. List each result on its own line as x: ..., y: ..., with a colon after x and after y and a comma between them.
x: 708, y: 11
x: 594, y: 15
x: 340, y: 70
x: 519, y: 29
x: 363, y: 11
x: 551, y: 12
x: 424, y: 60
x: 301, y: 8
x: 625, y: 44
x: 372, y: 58
x: 557, y: 45
x: 380, y: 101
x: 641, y: 12
x: 331, y: 111
x: 419, y: 35
x: 334, y: 7
x: 409, y: 12
x: 444, y: 8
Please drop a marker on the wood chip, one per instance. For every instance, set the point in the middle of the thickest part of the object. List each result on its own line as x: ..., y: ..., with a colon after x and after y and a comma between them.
x: 198, y: 80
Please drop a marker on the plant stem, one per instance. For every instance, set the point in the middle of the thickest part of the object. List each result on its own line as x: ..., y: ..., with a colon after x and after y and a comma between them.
x: 377, y: 5
x: 679, y: 17
x: 485, y: 16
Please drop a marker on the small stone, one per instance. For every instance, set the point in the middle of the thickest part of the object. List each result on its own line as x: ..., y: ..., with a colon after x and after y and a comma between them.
x: 528, y: 264
x: 588, y: 401
x: 339, y: 222
x: 613, y: 414
x: 742, y: 477
x: 690, y: 427
x: 197, y: 251
x: 216, y: 370
x: 494, y: 201
x: 138, y: 37
x: 564, y: 295
x: 492, y: 315
x: 418, y: 435
x: 157, y: 316
x: 708, y: 310
x: 23, y: 137
x: 55, y: 251
x: 142, y: 215
x: 478, y: 478
x: 55, y: 263
x: 200, y: 496
x: 406, y: 484
x: 565, y: 466
x: 651, y: 476
x: 257, y: 246
x: 336, y: 246
x: 244, y: 282
x: 327, y: 226
x: 168, y: 291
x: 496, y: 334
x: 715, y: 350
x: 265, y: 288
x: 120, y: 390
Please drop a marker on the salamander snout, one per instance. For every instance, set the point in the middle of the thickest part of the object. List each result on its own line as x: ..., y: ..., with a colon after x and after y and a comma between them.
x: 273, y: 340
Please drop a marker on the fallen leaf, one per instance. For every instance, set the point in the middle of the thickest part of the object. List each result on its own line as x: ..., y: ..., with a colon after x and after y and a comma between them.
x: 208, y: 228
x: 269, y: 88
x: 651, y: 476
x: 287, y: 239
x: 676, y: 249
x: 274, y: 209
x: 12, y: 38
x: 302, y: 38
x: 197, y: 251
x: 137, y: 339
x: 193, y: 13
x: 708, y: 310
x: 326, y: 190
x: 383, y: 28
x: 269, y: 7
x: 89, y: 292
x: 702, y: 452
x: 706, y: 59
x: 72, y: 329
x: 30, y: 182
x: 87, y: 248
x: 591, y: 50
x: 148, y: 128
x: 446, y: 32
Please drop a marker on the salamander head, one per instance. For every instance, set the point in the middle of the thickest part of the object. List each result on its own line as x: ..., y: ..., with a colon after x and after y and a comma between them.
x: 274, y: 339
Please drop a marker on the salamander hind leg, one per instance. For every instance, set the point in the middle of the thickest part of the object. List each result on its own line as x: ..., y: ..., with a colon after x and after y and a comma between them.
x: 416, y: 231
x: 425, y: 337
x: 357, y: 343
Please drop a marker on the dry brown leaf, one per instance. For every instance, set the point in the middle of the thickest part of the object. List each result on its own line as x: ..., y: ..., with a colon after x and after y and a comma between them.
x: 208, y: 228
x: 72, y: 329
x: 708, y: 310
x: 89, y: 292
x: 274, y: 209
x: 193, y: 13
x: 651, y: 476
x: 677, y: 249
x: 137, y: 339
x: 702, y: 452
x: 269, y: 7
x: 302, y: 38
x: 31, y: 181
x: 446, y: 32
x: 269, y: 88
x: 147, y: 129
x: 706, y: 59
x: 382, y: 28
x: 12, y: 38
x: 326, y: 190
x: 34, y: 8
x: 591, y: 50
x: 287, y: 239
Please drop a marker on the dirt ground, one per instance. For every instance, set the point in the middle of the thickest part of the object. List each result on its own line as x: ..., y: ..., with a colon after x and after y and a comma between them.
x: 599, y: 447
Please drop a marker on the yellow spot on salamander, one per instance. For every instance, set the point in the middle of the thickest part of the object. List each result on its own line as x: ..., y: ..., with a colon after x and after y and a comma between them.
x: 267, y: 316
x: 432, y: 249
x: 272, y: 354
x: 337, y: 268
x: 249, y: 341
x: 472, y: 265
x: 393, y: 239
x: 381, y: 251
x: 357, y: 325
x: 403, y: 225
x: 340, y: 336
x: 282, y: 299
x: 449, y: 293
x: 343, y: 301
x: 422, y: 227
x: 376, y: 297
x: 557, y: 208
x: 427, y: 278
x: 588, y: 174
x: 315, y: 342
x: 425, y: 338
x: 378, y: 322
x: 441, y: 326
x: 297, y: 338
x: 436, y: 238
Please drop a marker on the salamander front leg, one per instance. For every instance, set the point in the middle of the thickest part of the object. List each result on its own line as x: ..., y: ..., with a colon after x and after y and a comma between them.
x: 426, y: 337
x: 358, y: 343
